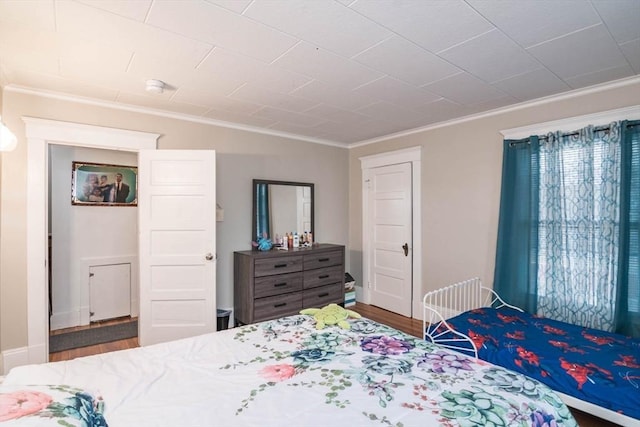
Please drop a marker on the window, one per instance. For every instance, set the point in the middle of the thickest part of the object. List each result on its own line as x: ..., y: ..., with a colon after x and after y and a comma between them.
x: 569, y: 229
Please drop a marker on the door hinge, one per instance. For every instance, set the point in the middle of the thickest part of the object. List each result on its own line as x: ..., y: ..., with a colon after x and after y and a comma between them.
x: 91, y: 274
x: 369, y: 285
x: 91, y: 313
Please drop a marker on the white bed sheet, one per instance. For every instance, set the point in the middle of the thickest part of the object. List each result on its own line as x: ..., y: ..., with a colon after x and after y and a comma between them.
x: 284, y: 373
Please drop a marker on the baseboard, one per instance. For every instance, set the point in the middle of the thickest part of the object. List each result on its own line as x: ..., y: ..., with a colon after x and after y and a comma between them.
x: 14, y: 357
x: 445, y: 312
x: 66, y: 319
x: 417, y: 310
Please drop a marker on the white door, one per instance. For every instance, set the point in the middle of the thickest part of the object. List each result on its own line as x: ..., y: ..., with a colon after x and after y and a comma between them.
x: 390, y: 281
x: 177, y: 220
x: 109, y: 291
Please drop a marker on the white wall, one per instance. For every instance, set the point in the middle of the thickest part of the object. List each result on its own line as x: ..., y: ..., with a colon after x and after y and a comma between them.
x: 84, y: 235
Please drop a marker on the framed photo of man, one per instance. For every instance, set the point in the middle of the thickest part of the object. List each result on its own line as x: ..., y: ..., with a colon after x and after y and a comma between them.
x: 97, y: 184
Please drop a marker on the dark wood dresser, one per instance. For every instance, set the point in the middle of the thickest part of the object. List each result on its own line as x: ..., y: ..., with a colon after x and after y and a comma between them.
x: 272, y: 284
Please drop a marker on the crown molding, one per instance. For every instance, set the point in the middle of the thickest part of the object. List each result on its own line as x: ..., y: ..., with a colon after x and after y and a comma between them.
x: 503, y: 110
x: 247, y: 128
x: 572, y: 123
x: 167, y: 114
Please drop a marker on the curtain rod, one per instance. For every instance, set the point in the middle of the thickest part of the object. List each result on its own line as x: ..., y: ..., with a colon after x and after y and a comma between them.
x: 544, y: 138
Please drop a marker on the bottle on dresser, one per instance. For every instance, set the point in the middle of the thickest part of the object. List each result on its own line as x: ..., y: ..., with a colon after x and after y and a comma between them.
x: 296, y: 240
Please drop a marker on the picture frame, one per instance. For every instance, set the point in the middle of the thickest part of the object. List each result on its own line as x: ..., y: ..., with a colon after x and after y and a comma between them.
x: 96, y: 184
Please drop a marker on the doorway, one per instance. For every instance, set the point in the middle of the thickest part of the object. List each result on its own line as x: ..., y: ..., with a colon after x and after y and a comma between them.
x: 40, y: 134
x: 392, y: 276
x: 93, y: 263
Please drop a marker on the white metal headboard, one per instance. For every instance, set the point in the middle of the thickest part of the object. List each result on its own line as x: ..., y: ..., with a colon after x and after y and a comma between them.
x: 450, y: 301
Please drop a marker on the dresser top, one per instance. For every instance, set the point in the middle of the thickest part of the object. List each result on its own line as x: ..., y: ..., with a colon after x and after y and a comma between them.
x: 317, y: 247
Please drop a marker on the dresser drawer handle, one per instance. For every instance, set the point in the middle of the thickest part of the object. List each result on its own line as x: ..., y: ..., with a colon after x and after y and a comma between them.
x: 323, y: 259
x: 279, y: 265
x: 324, y: 276
x: 282, y: 304
x: 326, y: 294
x: 278, y: 285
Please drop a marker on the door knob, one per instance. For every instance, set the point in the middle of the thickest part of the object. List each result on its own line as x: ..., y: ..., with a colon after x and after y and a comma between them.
x: 208, y: 256
x: 406, y: 249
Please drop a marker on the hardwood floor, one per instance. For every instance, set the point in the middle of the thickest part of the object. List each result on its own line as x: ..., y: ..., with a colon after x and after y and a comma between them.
x: 94, y: 349
x: 405, y: 324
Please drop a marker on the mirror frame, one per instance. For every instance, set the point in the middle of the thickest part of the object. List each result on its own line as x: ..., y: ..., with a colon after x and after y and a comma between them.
x: 254, y: 217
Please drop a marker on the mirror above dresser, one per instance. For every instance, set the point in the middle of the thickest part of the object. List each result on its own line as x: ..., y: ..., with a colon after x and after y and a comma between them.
x: 281, y: 207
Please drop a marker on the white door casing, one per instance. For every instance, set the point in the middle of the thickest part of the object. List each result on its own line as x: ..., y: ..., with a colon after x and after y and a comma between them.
x: 390, y: 245
x: 368, y: 163
x: 177, y: 244
x: 40, y: 133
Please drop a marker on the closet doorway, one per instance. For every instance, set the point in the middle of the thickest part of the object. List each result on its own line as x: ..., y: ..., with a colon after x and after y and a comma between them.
x: 170, y: 177
x: 93, y: 259
x: 40, y: 134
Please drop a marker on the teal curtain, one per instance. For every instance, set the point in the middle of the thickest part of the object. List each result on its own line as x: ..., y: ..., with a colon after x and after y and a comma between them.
x: 516, y: 259
x: 568, y: 234
x: 262, y: 211
x: 627, y: 315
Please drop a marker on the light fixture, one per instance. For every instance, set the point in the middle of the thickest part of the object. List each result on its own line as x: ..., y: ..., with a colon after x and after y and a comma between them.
x: 8, y: 140
x: 155, y: 86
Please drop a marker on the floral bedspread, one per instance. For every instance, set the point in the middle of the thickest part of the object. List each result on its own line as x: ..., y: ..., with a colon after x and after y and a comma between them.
x: 392, y: 378
x: 49, y: 405
x: 286, y: 373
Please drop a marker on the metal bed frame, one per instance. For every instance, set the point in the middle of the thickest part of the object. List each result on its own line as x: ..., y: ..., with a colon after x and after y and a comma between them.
x: 452, y: 300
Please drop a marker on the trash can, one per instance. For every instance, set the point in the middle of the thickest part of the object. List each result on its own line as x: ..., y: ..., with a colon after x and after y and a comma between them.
x: 223, y: 319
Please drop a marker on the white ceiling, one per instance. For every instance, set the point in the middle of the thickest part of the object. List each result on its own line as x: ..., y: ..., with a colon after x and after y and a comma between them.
x: 340, y: 71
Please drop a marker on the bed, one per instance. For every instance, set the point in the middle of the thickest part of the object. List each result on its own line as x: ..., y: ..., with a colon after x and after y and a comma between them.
x: 594, y: 371
x: 286, y: 372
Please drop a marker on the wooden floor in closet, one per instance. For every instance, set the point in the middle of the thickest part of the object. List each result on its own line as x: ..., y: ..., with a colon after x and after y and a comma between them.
x: 405, y: 324
x: 93, y: 349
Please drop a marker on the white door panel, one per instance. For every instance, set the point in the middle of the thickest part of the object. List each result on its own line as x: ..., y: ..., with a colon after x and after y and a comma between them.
x: 177, y: 244
x: 109, y: 291
x: 390, y: 202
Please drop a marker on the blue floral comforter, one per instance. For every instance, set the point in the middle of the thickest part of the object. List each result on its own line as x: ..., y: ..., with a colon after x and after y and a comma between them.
x: 285, y: 372
x: 591, y: 365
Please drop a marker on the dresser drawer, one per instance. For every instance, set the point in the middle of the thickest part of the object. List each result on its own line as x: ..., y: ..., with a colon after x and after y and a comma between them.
x: 269, y: 266
x: 277, y: 306
x: 321, y: 296
x: 267, y: 286
x: 325, y: 276
x: 325, y: 259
